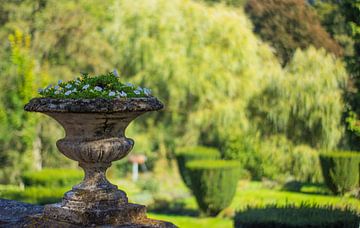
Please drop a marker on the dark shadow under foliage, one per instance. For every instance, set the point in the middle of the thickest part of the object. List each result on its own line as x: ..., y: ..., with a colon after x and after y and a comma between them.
x: 306, y: 188
x: 172, y: 208
x: 310, y: 216
x: 341, y: 170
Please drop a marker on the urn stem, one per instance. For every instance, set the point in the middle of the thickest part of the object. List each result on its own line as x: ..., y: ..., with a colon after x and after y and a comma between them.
x: 95, y: 176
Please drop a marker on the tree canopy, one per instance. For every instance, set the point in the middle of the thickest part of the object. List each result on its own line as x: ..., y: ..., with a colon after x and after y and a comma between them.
x: 288, y: 25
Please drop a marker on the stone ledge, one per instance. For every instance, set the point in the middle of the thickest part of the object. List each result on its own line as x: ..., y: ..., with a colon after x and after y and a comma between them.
x: 13, y: 213
x: 18, y: 214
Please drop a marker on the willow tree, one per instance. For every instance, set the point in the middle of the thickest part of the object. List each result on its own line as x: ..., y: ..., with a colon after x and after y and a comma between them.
x: 203, y: 61
x: 306, y: 103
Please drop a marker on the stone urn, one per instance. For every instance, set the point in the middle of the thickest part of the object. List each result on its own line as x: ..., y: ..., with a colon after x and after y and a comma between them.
x: 95, y: 137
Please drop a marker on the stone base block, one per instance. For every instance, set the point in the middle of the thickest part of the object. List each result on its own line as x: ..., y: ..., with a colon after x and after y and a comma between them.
x: 15, y: 214
x: 127, y: 213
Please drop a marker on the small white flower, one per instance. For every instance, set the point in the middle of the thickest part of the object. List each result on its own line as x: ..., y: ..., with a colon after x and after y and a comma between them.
x: 137, y: 92
x: 139, y: 88
x: 57, y: 92
x: 85, y: 87
x: 56, y: 87
x: 74, y: 90
x: 77, y: 82
x: 68, y: 86
x: 112, y: 93
x: 59, y: 82
x: 40, y: 90
x: 123, y: 94
x: 115, y: 72
x: 67, y: 93
x: 129, y: 84
x: 147, y: 91
x: 98, y: 88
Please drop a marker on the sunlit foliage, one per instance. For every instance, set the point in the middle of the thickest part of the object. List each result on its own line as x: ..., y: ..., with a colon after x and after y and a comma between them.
x: 203, y: 62
x: 306, y: 104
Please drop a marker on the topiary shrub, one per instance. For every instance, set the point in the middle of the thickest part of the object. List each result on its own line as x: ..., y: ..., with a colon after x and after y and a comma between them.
x: 185, y: 154
x: 213, y: 183
x: 340, y: 170
x: 290, y: 216
x: 52, y: 177
x: 35, y: 195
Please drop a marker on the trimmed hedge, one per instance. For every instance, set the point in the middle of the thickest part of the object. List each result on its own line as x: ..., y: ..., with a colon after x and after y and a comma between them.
x: 35, y: 195
x: 213, y: 183
x: 186, y: 154
x: 340, y: 170
x: 295, y: 217
x: 52, y: 177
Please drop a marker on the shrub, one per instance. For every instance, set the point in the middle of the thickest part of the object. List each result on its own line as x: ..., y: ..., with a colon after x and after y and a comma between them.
x: 185, y: 154
x: 340, y: 170
x: 52, y: 177
x: 36, y: 195
x: 213, y: 182
x: 304, y: 187
x: 290, y: 217
x: 244, y: 148
x: 258, y: 156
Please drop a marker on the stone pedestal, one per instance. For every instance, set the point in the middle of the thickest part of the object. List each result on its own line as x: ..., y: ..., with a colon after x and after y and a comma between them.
x: 95, y: 136
x: 15, y: 214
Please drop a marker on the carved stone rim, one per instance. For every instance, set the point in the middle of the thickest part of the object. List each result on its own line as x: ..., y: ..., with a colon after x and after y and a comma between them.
x: 96, y: 105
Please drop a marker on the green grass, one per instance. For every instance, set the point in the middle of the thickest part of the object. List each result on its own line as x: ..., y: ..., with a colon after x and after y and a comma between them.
x: 249, y: 194
x: 254, y: 194
x: 188, y: 221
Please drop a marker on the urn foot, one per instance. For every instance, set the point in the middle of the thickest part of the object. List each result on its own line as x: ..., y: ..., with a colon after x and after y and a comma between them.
x: 127, y: 215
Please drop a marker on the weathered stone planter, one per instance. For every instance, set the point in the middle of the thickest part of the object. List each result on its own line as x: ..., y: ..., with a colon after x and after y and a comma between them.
x: 95, y: 136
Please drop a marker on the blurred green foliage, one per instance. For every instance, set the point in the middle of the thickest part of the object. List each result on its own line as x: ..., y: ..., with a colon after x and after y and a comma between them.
x: 275, y: 158
x: 341, y: 170
x: 213, y: 183
x: 289, y: 25
x: 333, y: 20
x: 187, y: 154
x: 35, y: 195
x: 290, y: 216
x: 52, y: 177
x: 19, y: 134
x: 341, y: 19
x: 306, y: 103
x: 222, y: 86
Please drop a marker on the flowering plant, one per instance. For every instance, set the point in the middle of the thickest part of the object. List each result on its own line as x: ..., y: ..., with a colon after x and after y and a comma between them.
x: 101, y: 86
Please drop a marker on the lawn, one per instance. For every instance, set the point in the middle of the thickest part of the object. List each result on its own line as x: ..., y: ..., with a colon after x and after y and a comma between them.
x: 168, y: 198
x: 188, y: 221
x: 256, y: 194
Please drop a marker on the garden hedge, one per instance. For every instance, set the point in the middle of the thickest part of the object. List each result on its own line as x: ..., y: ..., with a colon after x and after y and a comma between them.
x: 53, y: 177
x: 186, y: 154
x: 290, y: 216
x: 340, y: 170
x: 213, y: 183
